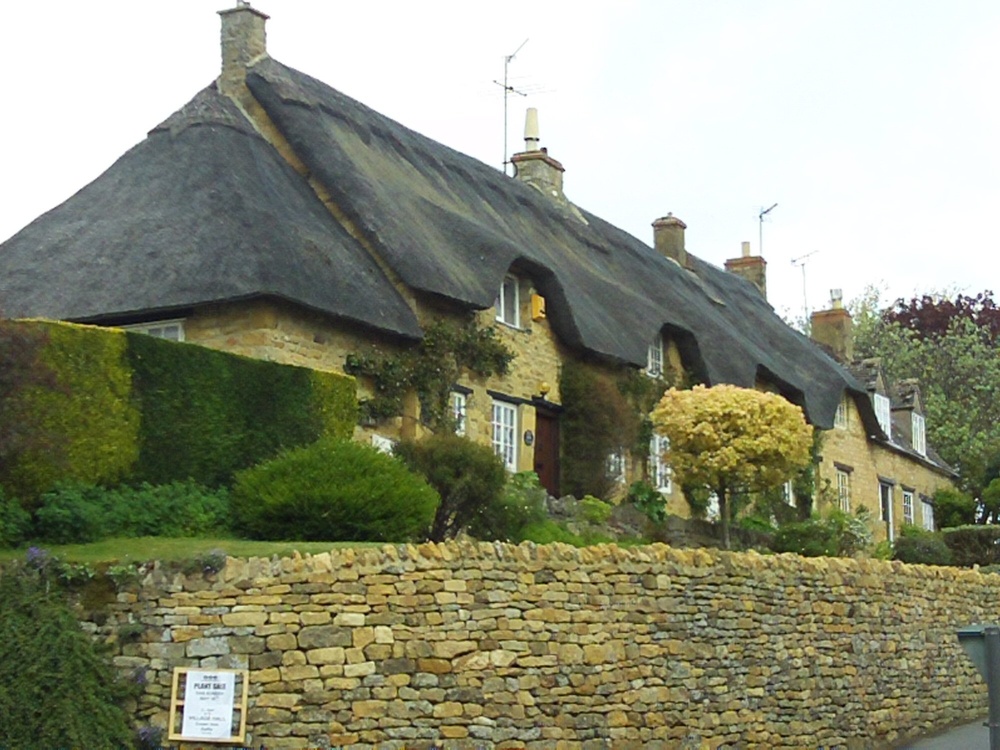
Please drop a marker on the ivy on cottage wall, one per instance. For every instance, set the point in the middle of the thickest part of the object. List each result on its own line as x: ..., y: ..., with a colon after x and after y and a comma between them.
x: 430, y: 369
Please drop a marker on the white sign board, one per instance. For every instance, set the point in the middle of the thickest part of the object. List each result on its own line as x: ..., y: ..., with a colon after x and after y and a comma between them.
x: 208, y: 705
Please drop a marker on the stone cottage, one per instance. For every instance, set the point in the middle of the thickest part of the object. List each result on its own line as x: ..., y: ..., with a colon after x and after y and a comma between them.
x: 275, y: 217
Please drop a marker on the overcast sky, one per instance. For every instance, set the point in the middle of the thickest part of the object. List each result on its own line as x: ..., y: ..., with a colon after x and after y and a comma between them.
x: 873, y: 125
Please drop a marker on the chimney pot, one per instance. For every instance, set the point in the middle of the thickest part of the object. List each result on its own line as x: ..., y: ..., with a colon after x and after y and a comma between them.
x: 745, y: 249
x: 834, y: 328
x: 668, y: 238
x: 243, y: 41
x: 531, y: 129
x: 534, y: 166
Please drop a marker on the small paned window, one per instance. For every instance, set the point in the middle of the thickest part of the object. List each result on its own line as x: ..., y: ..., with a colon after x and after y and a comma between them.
x: 505, y: 433
x: 508, y: 302
x: 919, y: 433
x: 458, y: 404
x: 654, y: 358
x: 615, y: 466
x: 840, y: 419
x: 844, y: 490
x: 788, y: 493
x: 927, y: 514
x: 172, y: 330
x: 660, y: 475
x: 908, y: 507
x: 883, y: 413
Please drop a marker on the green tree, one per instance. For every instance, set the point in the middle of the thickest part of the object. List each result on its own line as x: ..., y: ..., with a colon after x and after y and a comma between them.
x: 732, y: 441
x: 951, y: 347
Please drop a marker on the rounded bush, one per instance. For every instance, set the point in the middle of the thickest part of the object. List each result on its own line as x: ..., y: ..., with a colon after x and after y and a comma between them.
x: 921, y: 547
x: 332, y: 490
x: 469, y: 477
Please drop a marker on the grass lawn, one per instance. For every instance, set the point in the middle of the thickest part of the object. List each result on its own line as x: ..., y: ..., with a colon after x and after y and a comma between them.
x: 122, y: 550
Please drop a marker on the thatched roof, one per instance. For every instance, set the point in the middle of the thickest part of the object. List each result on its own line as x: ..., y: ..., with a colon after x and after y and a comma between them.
x: 203, y: 210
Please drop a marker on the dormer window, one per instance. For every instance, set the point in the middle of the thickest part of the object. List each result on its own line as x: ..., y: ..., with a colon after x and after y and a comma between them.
x: 508, y: 304
x: 654, y: 358
x: 919, y: 429
x: 883, y: 414
x: 840, y: 419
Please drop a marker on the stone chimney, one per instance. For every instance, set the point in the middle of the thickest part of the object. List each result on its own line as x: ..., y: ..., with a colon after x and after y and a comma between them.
x: 668, y: 238
x: 834, y: 328
x: 534, y: 166
x: 243, y: 41
x: 753, y: 268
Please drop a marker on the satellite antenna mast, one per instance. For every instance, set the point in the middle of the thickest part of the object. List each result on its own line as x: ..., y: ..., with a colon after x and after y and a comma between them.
x: 760, y: 232
x: 801, y: 262
x: 507, y: 91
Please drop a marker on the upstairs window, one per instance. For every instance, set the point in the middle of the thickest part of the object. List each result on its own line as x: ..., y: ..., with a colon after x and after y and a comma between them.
x: 883, y: 413
x: 654, y: 358
x: 508, y: 303
x: 919, y: 433
x: 172, y: 330
x: 840, y: 419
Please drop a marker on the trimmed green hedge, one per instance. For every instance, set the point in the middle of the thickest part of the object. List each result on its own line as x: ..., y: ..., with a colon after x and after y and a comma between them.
x: 127, y: 407
x: 973, y: 545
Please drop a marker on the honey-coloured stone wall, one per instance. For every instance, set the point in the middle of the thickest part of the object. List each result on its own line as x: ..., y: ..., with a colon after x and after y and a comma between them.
x: 478, y: 645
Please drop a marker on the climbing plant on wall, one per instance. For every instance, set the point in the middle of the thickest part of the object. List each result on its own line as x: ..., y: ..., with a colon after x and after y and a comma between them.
x: 430, y: 369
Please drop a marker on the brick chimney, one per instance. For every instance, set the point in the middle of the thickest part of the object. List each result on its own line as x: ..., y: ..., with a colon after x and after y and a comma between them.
x: 834, y: 328
x: 753, y: 268
x: 243, y: 41
x: 668, y: 238
x: 534, y: 166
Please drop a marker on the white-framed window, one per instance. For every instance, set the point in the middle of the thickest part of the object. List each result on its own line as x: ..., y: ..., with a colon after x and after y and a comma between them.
x: 844, y: 490
x: 919, y: 427
x: 615, y: 466
x: 508, y: 302
x: 172, y: 330
x: 908, y: 506
x: 505, y: 433
x: 654, y: 358
x: 458, y: 404
x: 383, y: 444
x: 885, y: 508
x: 840, y: 419
x: 883, y: 412
x: 788, y: 493
x: 712, y: 512
x: 927, y: 514
x: 660, y: 475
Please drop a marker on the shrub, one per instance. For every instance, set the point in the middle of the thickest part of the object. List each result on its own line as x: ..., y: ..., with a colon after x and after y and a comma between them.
x: 76, y: 513
x: 15, y: 522
x: 594, y: 511
x: 837, y: 534
x: 919, y: 546
x: 973, y: 545
x: 649, y: 500
x: 548, y: 531
x: 56, y: 689
x: 953, y: 508
x: 521, y: 503
x: 597, y: 422
x: 332, y: 490
x: 468, y: 476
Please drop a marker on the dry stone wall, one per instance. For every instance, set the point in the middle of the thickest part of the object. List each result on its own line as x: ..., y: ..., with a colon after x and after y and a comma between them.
x: 469, y: 645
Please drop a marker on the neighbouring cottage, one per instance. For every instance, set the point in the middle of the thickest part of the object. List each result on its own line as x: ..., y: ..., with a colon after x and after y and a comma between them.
x: 275, y: 217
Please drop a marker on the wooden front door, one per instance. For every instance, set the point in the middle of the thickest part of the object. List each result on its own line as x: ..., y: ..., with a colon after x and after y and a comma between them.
x: 547, y: 450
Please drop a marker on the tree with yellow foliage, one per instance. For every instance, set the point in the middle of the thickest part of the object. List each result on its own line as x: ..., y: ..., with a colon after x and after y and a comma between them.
x: 731, y: 441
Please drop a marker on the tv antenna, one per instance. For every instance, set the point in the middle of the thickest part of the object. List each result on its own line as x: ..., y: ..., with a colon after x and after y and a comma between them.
x: 507, y: 91
x: 801, y: 262
x: 760, y: 232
